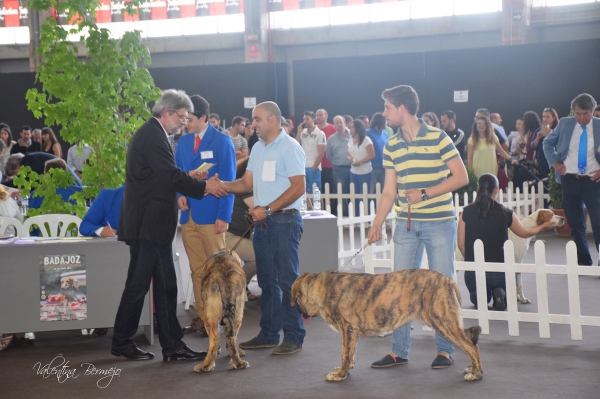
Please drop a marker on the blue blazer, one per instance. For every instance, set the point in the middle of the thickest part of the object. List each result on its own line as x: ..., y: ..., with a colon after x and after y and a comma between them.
x: 216, y: 148
x: 556, y: 144
x: 107, y: 205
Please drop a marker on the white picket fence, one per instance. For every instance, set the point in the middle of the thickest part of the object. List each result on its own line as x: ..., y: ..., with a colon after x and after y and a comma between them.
x: 523, y: 201
x: 381, y: 254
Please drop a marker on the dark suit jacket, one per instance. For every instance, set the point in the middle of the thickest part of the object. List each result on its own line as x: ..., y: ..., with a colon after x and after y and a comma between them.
x: 107, y: 205
x: 152, y: 181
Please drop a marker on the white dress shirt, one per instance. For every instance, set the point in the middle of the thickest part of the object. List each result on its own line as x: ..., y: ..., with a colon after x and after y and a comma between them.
x: 573, y: 155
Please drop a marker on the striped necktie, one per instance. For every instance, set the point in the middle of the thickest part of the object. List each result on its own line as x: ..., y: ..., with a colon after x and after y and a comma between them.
x: 582, y: 156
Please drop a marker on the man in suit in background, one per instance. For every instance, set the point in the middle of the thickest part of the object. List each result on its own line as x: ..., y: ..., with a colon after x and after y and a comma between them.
x: 204, y: 222
x: 572, y: 149
x: 148, y: 222
x: 102, y: 219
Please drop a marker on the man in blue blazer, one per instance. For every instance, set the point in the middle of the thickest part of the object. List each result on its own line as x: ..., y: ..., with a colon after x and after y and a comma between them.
x: 102, y: 219
x: 204, y: 222
x: 577, y: 165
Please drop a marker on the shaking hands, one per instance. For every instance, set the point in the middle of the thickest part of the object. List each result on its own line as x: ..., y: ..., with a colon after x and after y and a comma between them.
x: 215, y: 187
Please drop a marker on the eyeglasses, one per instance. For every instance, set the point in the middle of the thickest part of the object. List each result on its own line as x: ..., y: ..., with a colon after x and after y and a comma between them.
x: 481, y: 124
x: 183, y: 119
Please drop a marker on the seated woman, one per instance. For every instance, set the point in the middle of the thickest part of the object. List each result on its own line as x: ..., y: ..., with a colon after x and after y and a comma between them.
x: 9, y: 209
x: 488, y: 221
x: 238, y: 230
x: 102, y: 219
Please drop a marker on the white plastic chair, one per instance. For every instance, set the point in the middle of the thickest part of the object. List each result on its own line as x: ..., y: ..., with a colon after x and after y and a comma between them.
x: 57, y: 224
x: 5, y: 222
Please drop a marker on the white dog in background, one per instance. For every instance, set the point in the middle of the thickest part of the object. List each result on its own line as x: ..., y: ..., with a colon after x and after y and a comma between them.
x: 521, y: 245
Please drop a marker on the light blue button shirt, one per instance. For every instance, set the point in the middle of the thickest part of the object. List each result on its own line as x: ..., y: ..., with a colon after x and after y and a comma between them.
x: 286, y: 157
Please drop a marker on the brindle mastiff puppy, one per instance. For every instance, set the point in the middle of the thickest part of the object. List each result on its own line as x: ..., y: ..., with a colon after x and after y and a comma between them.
x: 366, y: 304
x: 223, y: 288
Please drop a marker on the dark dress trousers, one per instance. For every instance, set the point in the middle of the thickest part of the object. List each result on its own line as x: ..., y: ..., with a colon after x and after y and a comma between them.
x: 147, y: 223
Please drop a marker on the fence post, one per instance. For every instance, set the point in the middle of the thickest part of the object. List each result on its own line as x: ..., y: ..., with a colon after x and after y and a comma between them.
x: 482, y: 308
x: 541, y: 281
x: 340, y: 234
x: 511, y: 289
x: 574, y: 297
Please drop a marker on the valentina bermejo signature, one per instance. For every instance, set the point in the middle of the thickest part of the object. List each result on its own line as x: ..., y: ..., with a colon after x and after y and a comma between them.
x: 60, y: 369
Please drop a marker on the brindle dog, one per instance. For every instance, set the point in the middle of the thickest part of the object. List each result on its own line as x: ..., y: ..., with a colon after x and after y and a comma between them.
x: 223, y: 288
x: 365, y: 304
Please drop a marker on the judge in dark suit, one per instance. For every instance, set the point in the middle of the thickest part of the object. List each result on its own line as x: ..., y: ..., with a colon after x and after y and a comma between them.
x: 147, y: 223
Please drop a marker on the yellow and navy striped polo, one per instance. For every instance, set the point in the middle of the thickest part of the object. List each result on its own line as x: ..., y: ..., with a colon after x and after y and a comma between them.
x: 422, y: 164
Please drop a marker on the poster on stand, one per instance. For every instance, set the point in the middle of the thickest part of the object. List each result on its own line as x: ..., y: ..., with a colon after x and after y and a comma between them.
x: 63, y: 288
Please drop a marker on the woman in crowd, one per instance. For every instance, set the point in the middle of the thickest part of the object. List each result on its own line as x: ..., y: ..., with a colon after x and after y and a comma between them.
x: 482, y: 148
x: 488, y: 221
x: 379, y: 138
x: 360, y: 154
x: 49, y: 143
x: 431, y: 119
x: 6, y: 137
x: 531, y: 122
x: 513, y: 138
x: 549, y: 122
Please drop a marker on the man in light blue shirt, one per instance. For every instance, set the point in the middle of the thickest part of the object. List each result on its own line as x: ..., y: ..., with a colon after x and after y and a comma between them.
x: 276, y: 175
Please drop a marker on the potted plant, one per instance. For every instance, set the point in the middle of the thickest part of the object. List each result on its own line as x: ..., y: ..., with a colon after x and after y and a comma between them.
x: 555, y: 193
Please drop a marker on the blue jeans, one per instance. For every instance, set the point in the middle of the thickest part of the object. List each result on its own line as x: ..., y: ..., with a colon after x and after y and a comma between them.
x: 575, y: 193
x: 341, y: 174
x: 149, y: 260
x: 313, y: 177
x: 276, y: 246
x: 358, y: 181
x: 438, y: 238
x: 378, y: 177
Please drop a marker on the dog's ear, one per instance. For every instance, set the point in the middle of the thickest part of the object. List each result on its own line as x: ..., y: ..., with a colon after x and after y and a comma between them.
x: 75, y: 283
x: 544, y: 215
x: 297, y: 287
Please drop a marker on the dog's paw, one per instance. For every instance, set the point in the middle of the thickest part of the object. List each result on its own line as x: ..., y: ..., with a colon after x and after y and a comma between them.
x: 468, y: 370
x: 525, y: 301
x: 241, y: 352
x: 473, y: 376
x: 204, y: 368
x: 336, y: 375
x: 239, y: 366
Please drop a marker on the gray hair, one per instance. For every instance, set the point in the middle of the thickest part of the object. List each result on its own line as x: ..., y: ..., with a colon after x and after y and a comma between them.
x: 584, y: 101
x: 13, y: 162
x: 172, y: 100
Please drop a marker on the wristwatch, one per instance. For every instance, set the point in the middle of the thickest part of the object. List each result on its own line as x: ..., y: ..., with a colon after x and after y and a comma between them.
x: 268, y: 210
x: 424, y: 196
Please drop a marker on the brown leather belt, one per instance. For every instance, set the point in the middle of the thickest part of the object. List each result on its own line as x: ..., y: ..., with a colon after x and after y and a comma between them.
x: 287, y: 211
x: 578, y: 176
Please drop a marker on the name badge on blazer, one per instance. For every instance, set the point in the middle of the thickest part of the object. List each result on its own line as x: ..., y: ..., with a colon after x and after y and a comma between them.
x: 206, y: 154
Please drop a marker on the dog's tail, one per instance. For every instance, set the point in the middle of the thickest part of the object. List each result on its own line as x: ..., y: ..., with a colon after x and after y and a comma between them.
x: 473, y: 333
x: 228, y: 317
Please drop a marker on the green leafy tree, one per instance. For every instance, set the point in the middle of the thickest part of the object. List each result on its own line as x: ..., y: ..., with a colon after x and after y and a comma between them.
x: 96, y: 90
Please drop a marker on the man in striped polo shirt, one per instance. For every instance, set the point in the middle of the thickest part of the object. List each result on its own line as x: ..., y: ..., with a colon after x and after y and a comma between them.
x: 417, y: 164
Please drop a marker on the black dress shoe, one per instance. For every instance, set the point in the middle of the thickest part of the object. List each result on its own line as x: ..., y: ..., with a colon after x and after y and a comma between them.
x: 184, y: 353
x: 132, y: 352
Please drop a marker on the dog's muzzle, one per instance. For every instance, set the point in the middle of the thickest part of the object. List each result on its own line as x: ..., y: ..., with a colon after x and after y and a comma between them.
x: 558, y: 221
